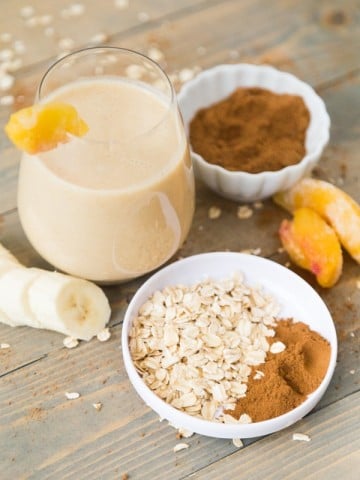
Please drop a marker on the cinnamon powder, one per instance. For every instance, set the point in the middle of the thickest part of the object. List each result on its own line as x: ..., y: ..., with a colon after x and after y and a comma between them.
x: 252, y: 130
x: 289, y: 376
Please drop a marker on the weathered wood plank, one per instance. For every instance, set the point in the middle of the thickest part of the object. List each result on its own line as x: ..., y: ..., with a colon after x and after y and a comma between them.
x: 46, y: 436
x: 42, y: 434
x: 41, y: 44
x: 332, y: 453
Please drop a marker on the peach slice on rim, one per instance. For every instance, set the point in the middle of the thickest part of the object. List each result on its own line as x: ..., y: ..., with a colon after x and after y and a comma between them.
x: 42, y: 127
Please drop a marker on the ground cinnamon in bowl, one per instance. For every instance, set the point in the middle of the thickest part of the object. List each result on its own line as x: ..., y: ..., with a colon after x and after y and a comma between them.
x: 286, y: 378
x: 252, y: 130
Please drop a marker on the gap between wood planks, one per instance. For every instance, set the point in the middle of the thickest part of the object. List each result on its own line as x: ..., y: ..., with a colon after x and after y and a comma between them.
x: 31, y: 362
x: 336, y: 81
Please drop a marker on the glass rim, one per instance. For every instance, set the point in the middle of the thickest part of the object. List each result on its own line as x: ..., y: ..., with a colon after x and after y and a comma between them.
x: 170, y: 103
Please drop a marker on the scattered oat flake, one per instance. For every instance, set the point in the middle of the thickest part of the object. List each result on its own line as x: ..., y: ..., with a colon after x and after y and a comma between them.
x: 27, y: 11
x: 135, y: 71
x: 66, y: 43
x: 258, y: 204
x: 143, y: 16
x: 97, y: 406
x: 76, y: 9
x: 5, y: 37
x: 45, y: 20
x: 104, y: 335
x: 7, y: 100
x: 301, y: 437
x: 233, y: 54
x: 70, y: 342
x: 4, y: 345
x: 277, y: 347
x: 201, y: 50
x: 352, y: 372
x: 32, y: 22
x: 6, y: 54
x: 184, y: 433
x: 244, y: 212
x: 214, y: 213
x: 287, y: 264
x: 100, y: 37
x: 6, y: 81
x: 19, y: 47
x: 251, y: 251
x: 121, y: 4
x: 185, y: 75
x: 49, y: 31
x: 237, y: 442
x: 352, y: 334
x: 155, y: 54
x: 180, y: 446
x: 13, y: 65
x: 72, y: 395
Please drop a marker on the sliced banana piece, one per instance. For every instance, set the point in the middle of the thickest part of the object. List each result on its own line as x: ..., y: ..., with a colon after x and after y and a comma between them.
x: 69, y: 305
x: 14, y: 305
x: 6, y: 265
x: 7, y: 257
x: 7, y: 262
x: 5, y: 319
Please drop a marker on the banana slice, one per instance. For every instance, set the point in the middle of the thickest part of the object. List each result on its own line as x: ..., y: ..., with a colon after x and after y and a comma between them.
x: 69, y: 305
x: 14, y: 305
x: 7, y: 257
x: 7, y: 262
x: 6, y: 265
x: 50, y: 300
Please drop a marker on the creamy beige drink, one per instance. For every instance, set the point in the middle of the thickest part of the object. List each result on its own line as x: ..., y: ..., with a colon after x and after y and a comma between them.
x: 118, y: 202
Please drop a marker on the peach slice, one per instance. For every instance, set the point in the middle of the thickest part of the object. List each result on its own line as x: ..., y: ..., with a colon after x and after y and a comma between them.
x: 340, y: 210
x: 43, y: 126
x: 313, y: 245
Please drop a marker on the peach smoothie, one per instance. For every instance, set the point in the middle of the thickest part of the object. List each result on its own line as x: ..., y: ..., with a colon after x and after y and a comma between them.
x: 118, y: 202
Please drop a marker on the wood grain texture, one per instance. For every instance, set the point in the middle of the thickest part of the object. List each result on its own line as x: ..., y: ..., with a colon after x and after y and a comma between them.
x: 332, y: 453
x: 45, y: 436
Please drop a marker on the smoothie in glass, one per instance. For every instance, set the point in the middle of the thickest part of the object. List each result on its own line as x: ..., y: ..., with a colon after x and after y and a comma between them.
x: 118, y: 202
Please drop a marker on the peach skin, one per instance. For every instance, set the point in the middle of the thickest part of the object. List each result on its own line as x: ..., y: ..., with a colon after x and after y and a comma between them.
x: 313, y: 245
x: 340, y: 210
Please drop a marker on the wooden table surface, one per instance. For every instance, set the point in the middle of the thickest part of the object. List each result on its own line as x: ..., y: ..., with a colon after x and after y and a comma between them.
x: 45, y: 436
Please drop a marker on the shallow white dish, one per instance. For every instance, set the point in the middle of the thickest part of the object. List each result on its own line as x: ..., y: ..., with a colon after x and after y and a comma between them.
x: 297, y: 298
x: 214, y: 84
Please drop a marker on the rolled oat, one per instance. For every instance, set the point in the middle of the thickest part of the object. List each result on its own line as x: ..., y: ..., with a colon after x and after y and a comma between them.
x: 194, y: 345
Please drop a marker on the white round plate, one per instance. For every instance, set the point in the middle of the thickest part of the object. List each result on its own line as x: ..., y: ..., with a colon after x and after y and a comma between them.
x: 297, y: 298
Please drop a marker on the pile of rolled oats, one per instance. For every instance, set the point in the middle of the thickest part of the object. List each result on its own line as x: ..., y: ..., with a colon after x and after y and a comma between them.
x: 194, y: 345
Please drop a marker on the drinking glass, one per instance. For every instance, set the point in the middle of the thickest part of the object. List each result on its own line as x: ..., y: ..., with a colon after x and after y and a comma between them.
x: 118, y: 202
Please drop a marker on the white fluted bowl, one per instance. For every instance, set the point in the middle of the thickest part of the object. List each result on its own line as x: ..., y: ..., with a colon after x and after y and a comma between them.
x: 297, y: 299
x: 211, y: 86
